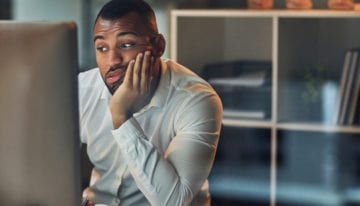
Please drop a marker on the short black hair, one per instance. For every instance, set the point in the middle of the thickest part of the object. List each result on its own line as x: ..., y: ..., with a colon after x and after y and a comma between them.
x: 116, y: 9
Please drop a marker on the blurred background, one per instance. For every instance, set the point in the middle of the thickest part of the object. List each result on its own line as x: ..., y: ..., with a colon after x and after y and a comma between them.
x: 83, y: 12
x: 313, y: 168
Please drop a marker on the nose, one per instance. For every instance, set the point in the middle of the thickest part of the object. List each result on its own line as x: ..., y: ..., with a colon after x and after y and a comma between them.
x: 114, y: 58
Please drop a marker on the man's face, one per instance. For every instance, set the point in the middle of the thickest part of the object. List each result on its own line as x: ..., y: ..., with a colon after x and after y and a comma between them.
x: 117, y: 42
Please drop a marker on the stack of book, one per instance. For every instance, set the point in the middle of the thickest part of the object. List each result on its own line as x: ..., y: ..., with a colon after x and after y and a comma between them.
x: 244, y: 87
x: 347, y: 108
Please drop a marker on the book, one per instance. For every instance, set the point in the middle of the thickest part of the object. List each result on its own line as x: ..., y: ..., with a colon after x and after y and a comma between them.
x: 243, y: 114
x: 349, y: 88
x: 235, y: 68
x: 249, y: 79
x: 244, y: 87
x: 356, y: 120
x: 245, y: 98
x: 343, y: 80
x: 355, y: 91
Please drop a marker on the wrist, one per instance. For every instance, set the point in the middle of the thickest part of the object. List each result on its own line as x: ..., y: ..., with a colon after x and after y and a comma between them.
x: 119, y: 119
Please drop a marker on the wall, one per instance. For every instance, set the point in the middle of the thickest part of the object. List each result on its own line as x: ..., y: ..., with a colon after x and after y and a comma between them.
x: 53, y: 10
x: 83, y: 12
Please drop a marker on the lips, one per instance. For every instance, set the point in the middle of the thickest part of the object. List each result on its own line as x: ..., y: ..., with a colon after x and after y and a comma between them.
x: 115, y: 76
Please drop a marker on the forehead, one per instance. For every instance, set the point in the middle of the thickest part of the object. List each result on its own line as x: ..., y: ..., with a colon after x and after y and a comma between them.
x: 128, y: 23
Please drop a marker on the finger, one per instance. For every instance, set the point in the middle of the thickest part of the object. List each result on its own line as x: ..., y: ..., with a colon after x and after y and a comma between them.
x: 152, y: 68
x: 137, y: 71
x: 129, y: 74
x: 145, y: 79
x: 88, y: 193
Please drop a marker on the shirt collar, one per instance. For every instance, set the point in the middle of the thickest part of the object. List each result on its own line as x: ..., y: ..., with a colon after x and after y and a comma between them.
x: 161, y: 93
x: 105, y: 93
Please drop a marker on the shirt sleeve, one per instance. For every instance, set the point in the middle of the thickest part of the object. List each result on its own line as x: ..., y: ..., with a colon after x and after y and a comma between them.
x: 175, y: 177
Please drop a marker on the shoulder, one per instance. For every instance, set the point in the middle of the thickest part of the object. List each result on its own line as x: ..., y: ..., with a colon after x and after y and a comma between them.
x: 183, y: 79
x: 193, y: 93
x: 198, y: 108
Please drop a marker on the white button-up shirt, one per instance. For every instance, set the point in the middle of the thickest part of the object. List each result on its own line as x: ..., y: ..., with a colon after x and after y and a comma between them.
x: 164, y: 153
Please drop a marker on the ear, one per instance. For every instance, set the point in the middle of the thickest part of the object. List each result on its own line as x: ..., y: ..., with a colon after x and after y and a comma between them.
x: 159, y: 44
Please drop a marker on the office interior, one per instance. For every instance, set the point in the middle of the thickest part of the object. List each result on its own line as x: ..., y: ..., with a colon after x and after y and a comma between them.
x: 296, y: 157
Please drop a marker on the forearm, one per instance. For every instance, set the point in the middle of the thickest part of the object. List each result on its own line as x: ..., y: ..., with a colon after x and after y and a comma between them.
x: 118, y: 119
x: 172, y: 178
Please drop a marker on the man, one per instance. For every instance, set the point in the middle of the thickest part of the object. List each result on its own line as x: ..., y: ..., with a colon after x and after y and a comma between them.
x: 151, y: 126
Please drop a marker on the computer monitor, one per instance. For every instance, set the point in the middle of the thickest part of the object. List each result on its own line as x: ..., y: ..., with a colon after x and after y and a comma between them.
x: 39, y: 141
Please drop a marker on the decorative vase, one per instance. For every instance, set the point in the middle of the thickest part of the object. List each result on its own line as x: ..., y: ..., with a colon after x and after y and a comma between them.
x: 341, y: 4
x: 260, y: 4
x: 299, y: 4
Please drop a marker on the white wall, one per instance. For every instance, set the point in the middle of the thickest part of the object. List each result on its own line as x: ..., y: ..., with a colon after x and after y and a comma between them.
x: 83, y: 13
x: 47, y: 9
x: 163, y: 21
x: 52, y: 10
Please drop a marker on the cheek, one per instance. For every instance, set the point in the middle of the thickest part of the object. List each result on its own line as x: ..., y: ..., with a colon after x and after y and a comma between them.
x: 102, y: 72
x: 99, y: 60
x: 102, y: 67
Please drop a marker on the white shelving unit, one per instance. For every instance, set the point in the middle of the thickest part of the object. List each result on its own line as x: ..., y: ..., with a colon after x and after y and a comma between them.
x: 295, y: 42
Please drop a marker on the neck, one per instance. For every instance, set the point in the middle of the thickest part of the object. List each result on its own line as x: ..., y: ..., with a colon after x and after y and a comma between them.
x: 156, y: 80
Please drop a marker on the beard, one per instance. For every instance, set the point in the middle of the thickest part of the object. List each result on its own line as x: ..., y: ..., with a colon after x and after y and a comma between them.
x: 112, y: 88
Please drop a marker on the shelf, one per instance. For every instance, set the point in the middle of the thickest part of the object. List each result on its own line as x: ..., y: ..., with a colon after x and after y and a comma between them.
x: 247, y: 123
x: 295, y: 140
x: 314, y: 127
x: 240, y: 188
x: 306, y: 194
x: 312, y: 13
x: 317, y: 127
x: 289, y: 193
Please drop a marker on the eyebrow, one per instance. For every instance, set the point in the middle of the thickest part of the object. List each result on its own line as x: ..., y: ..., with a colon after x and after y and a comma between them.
x: 118, y: 35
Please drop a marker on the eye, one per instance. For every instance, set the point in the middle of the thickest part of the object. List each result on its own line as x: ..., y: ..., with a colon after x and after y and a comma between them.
x: 101, y: 49
x: 127, y: 45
